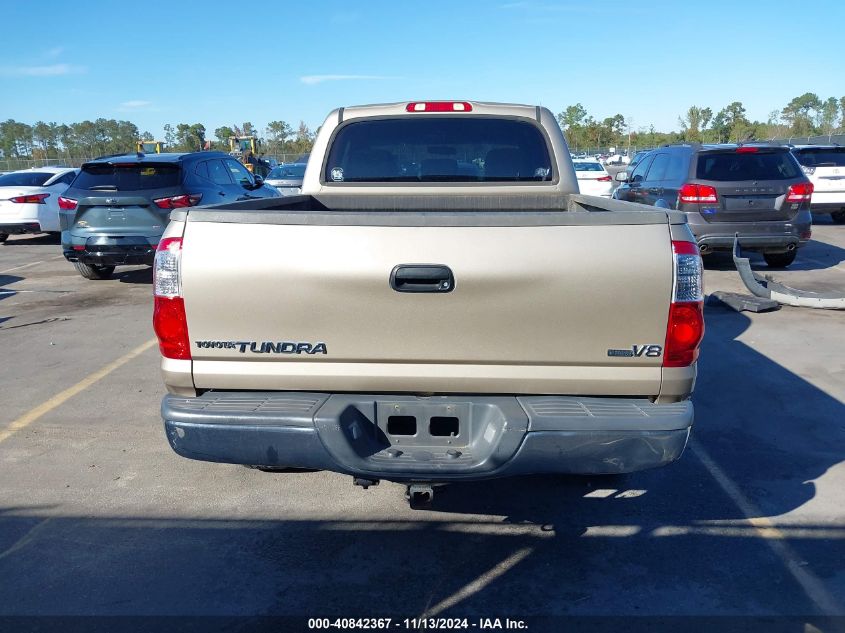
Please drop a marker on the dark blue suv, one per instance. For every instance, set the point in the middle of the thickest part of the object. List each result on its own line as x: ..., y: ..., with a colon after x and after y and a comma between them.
x: 117, y: 208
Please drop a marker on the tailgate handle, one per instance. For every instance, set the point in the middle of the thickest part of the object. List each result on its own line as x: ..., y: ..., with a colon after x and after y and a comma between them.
x: 422, y: 278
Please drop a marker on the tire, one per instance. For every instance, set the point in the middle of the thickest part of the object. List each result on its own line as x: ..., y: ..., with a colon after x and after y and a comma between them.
x: 93, y: 272
x: 780, y: 260
x: 838, y: 217
x: 3, y: 237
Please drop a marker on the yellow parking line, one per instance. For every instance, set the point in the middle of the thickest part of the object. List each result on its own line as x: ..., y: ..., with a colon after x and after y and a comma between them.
x: 60, y: 398
x: 773, y: 536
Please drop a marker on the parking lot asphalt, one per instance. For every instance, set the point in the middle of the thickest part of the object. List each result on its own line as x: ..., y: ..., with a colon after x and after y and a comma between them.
x: 99, y: 517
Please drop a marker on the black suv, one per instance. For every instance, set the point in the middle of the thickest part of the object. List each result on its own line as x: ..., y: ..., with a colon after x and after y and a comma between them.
x: 117, y: 208
x: 758, y: 191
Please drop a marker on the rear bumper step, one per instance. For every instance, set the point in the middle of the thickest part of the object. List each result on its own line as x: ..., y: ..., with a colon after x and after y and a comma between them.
x: 442, y: 438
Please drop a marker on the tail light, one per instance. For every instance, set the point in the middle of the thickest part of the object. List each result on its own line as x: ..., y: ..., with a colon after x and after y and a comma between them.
x: 439, y: 106
x: 604, y: 179
x: 685, y: 327
x: 802, y: 192
x: 67, y: 204
x: 745, y: 149
x: 169, y: 320
x: 697, y: 194
x: 179, y: 202
x: 36, y: 198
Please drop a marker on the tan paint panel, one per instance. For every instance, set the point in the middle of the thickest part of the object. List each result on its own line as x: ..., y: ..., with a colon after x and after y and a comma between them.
x: 426, y: 378
x: 537, y: 307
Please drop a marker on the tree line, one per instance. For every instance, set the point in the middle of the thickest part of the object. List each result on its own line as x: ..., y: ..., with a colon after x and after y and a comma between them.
x: 806, y: 115
x: 87, y: 139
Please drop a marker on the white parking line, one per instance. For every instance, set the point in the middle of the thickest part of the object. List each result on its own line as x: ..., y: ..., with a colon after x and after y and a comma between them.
x: 479, y: 583
x: 814, y: 588
x: 21, y: 267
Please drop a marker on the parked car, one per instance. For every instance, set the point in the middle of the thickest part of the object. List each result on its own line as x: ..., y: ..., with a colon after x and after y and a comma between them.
x: 593, y: 179
x: 118, y: 206
x: 617, y: 159
x: 29, y: 200
x: 636, y: 159
x: 825, y: 167
x: 757, y: 191
x: 435, y: 325
x: 287, y: 178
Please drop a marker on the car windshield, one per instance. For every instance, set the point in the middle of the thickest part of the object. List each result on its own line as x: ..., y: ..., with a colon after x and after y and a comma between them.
x: 821, y: 156
x: 287, y: 172
x: 587, y: 166
x: 127, y: 176
x: 25, y: 179
x: 752, y: 165
x: 439, y: 149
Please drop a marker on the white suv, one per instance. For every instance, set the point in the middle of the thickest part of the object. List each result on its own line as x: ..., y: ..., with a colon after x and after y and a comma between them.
x: 825, y: 167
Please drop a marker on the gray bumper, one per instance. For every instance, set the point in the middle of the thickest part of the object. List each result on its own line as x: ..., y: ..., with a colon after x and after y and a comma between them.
x: 778, y: 236
x: 444, y: 438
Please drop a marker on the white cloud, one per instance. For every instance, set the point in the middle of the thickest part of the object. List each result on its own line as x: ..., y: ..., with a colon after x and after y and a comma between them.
x: 316, y: 79
x: 54, y: 52
x: 52, y: 70
x: 135, y: 104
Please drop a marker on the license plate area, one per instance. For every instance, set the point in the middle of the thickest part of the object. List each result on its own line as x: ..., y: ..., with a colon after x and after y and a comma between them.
x: 423, y: 423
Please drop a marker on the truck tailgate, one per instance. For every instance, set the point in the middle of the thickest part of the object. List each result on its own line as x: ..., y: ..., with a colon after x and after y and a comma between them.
x: 534, y: 309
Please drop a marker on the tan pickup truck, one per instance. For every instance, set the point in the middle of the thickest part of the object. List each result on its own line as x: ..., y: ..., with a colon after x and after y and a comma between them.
x: 440, y: 304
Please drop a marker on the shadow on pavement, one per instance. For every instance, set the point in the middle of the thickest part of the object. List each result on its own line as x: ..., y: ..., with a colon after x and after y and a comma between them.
x: 136, y: 276
x: 5, y: 290
x: 664, y: 542
x: 33, y: 240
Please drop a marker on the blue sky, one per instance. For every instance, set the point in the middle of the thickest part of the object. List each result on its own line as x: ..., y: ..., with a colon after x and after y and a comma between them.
x: 154, y: 62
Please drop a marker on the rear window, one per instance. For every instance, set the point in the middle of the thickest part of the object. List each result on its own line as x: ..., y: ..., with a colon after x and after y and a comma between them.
x: 587, y: 166
x: 287, y: 172
x: 127, y: 177
x: 439, y: 149
x: 821, y: 157
x: 728, y: 166
x: 25, y: 179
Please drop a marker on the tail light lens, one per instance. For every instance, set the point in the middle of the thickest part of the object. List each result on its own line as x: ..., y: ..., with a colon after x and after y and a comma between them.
x: 698, y: 194
x: 37, y: 198
x: 802, y: 192
x: 179, y: 202
x: 604, y: 179
x: 169, y: 320
x: 68, y: 204
x: 685, y: 327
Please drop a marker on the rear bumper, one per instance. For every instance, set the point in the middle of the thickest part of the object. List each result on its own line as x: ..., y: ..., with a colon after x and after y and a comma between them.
x: 18, y: 228
x: 111, y: 251
x: 444, y: 438
x: 776, y: 236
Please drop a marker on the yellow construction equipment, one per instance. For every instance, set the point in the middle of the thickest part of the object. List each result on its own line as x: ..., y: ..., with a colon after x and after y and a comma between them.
x: 245, y: 149
x: 151, y: 147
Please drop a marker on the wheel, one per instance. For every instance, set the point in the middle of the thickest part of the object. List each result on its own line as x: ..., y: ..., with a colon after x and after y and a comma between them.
x: 93, y: 272
x: 3, y: 237
x: 837, y: 216
x: 780, y: 260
